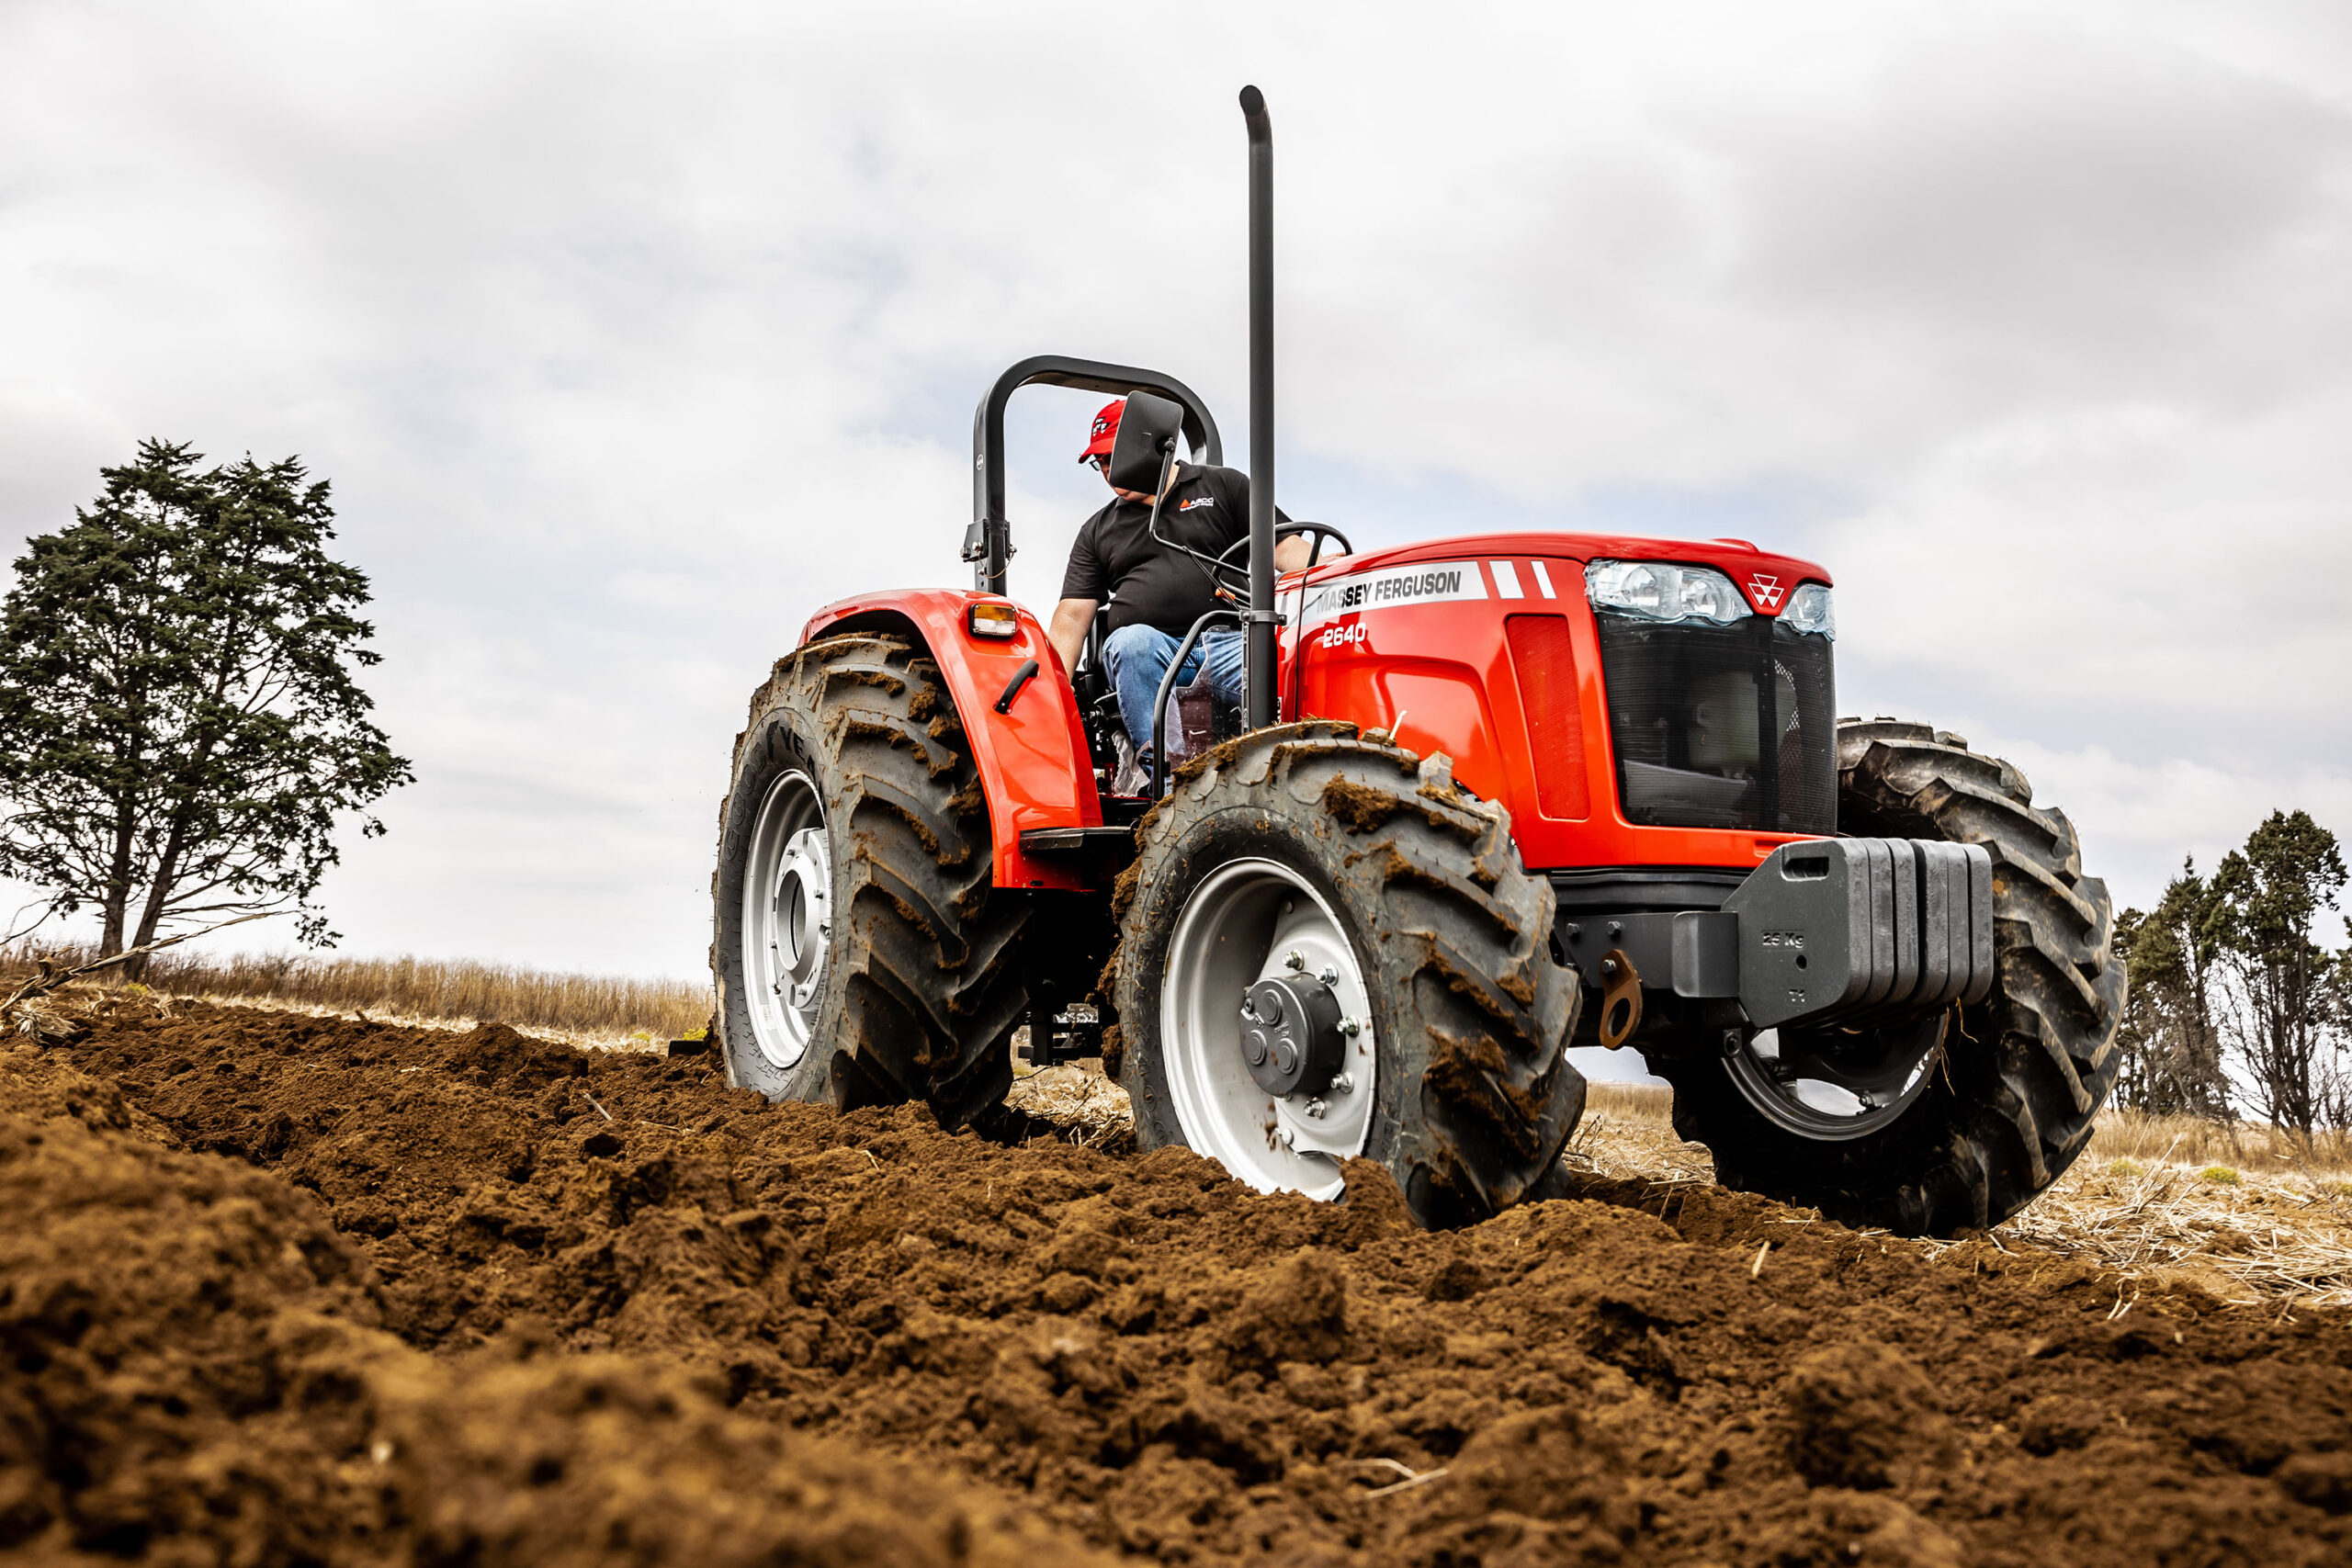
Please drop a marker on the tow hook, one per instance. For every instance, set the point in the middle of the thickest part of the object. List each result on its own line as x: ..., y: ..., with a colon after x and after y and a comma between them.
x: 1621, y: 999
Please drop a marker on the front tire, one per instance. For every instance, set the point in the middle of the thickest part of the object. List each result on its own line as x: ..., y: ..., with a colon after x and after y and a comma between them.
x: 861, y: 954
x: 1360, y: 876
x: 2010, y: 1104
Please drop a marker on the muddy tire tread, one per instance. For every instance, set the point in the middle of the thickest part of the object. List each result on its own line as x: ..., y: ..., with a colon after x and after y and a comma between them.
x: 930, y: 984
x: 2030, y: 1067
x: 1462, y: 953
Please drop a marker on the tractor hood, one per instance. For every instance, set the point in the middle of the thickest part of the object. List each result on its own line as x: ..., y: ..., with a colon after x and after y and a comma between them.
x: 1766, y: 579
x: 1634, y: 701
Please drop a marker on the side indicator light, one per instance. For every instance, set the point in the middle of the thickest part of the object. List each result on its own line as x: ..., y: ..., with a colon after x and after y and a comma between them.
x: 999, y: 621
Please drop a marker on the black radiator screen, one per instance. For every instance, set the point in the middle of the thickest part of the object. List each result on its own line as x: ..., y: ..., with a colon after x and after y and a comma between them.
x: 1722, y: 727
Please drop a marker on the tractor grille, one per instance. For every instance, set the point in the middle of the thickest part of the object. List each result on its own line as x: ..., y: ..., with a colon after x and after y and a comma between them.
x: 1690, y: 702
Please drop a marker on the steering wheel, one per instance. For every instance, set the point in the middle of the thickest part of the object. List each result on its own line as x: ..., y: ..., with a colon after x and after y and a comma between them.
x: 1321, y: 531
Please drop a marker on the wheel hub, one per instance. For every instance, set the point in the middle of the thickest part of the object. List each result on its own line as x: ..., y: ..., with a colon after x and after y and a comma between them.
x: 1290, y: 1035
x: 803, y: 906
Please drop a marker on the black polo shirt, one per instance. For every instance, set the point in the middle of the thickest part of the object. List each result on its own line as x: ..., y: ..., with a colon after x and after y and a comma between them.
x: 1116, y: 561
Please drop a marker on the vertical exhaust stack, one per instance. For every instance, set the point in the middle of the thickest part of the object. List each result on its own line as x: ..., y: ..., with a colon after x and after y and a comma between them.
x: 1258, y: 702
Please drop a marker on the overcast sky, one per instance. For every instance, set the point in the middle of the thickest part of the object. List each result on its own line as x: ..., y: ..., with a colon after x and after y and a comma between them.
x: 628, y: 335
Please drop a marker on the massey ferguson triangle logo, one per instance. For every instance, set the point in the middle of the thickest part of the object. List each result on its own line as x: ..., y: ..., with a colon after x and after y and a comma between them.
x: 1765, y: 590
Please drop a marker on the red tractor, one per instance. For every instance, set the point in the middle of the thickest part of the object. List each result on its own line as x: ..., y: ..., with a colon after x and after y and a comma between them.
x: 1488, y: 797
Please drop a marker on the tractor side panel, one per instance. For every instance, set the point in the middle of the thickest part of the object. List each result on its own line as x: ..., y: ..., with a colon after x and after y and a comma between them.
x: 1032, y: 759
x: 1494, y: 662
x: 1437, y: 667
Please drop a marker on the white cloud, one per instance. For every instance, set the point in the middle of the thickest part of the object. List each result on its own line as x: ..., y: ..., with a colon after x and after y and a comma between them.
x: 628, y: 335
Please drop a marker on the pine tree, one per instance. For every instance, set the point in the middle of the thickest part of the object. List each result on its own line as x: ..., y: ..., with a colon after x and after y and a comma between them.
x: 179, y: 723
x: 2170, y: 1039
x: 2285, y: 988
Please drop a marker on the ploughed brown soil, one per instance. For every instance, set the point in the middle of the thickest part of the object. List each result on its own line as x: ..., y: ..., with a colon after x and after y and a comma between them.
x: 277, y: 1288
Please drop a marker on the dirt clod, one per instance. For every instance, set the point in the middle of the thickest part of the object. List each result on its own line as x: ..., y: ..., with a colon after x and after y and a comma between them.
x: 1861, y: 1414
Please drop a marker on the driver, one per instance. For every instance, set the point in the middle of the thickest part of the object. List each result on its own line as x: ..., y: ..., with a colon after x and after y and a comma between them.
x: 1154, y: 588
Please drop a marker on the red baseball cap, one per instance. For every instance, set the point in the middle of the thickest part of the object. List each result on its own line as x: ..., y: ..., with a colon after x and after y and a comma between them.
x: 1106, y: 430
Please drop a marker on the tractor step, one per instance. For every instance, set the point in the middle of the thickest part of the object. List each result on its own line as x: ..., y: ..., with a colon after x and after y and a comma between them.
x: 1101, y: 853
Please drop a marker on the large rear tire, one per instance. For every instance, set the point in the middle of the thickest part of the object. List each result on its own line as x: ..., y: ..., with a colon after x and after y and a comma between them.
x: 1305, y: 856
x: 2009, y: 1105
x: 861, y: 954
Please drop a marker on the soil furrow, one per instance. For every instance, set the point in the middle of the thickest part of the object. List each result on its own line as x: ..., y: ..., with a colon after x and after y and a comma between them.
x: 1127, y: 1354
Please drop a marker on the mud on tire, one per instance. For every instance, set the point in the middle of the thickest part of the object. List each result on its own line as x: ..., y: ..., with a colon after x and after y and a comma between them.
x: 921, y: 984
x: 2023, y: 1072
x: 1474, y: 1094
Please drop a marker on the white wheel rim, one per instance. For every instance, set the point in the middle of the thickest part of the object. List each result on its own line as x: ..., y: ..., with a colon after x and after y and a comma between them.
x: 1816, y: 1108
x: 1240, y: 926
x: 787, y: 918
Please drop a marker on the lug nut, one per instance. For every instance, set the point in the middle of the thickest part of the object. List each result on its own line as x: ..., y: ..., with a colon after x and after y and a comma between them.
x: 1293, y: 959
x: 1287, y: 1138
x: 1315, y: 1108
x: 1330, y: 975
x: 1341, y: 1084
x: 1349, y: 1027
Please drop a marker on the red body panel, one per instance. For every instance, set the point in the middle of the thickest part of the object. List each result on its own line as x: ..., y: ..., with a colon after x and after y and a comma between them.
x: 1442, y: 663
x: 1033, y: 761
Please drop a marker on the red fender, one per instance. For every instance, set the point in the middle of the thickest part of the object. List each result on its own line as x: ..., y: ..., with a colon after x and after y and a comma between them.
x: 1032, y: 759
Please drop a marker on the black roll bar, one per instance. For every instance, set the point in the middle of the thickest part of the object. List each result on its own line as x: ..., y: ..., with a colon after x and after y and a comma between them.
x: 987, y: 543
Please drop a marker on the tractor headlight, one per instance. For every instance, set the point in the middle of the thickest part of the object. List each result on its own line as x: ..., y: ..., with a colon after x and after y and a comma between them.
x: 1810, y: 611
x: 1661, y: 591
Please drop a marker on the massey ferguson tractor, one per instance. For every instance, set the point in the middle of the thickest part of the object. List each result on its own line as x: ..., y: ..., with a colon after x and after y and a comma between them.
x: 1486, y: 798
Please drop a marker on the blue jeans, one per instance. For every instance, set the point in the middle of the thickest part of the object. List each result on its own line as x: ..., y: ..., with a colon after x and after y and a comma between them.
x: 1136, y: 657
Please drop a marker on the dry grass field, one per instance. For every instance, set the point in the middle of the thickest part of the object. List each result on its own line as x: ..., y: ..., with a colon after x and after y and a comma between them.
x: 577, y: 1008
